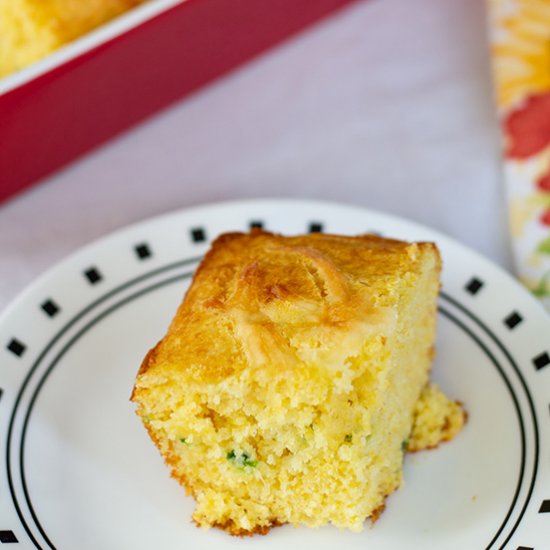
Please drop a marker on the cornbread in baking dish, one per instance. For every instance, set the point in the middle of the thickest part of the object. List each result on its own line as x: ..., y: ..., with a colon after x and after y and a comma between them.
x: 31, y: 29
x: 285, y: 388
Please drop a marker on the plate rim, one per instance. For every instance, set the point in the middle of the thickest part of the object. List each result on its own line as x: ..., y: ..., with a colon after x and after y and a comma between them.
x: 59, y: 268
x: 82, y: 250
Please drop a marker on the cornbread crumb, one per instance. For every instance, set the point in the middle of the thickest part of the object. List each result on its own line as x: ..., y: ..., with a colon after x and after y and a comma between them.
x: 286, y: 386
x: 436, y: 419
x: 31, y: 29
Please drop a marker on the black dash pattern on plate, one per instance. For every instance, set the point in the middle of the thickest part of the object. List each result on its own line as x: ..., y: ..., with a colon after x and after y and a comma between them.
x: 541, y: 361
x: 473, y: 286
x: 7, y: 537
x: 315, y: 227
x: 93, y: 275
x: 545, y: 507
x: 525, y: 548
x: 50, y: 308
x: 143, y: 251
x: 256, y: 224
x: 513, y: 320
x: 198, y: 234
x: 16, y: 347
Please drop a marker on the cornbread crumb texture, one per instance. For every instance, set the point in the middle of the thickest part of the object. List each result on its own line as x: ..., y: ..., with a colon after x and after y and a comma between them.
x: 436, y: 419
x: 285, y: 388
x: 31, y: 29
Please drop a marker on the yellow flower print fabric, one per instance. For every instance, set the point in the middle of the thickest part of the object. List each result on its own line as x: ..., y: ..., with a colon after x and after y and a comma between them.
x: 521, y: 59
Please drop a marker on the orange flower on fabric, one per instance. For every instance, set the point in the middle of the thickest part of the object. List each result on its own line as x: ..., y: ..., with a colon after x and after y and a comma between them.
x: 528, y: 127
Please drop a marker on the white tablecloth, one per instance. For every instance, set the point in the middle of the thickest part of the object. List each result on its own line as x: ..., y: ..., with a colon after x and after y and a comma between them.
x: 387, y: 105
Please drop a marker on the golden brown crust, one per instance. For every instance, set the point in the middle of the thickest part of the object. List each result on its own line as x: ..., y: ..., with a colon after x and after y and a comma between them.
x: 244, y: 277
x: 230, y: 527
x: 146, y: 364
x: 375, y: 514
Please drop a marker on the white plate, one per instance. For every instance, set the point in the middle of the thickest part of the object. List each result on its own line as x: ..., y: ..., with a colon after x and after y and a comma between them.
x: 79, y: 471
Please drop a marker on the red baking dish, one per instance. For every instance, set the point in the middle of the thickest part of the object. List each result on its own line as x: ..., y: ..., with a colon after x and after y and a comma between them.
x: 103, y: 83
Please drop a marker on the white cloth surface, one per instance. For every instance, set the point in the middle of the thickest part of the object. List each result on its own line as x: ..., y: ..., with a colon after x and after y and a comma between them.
x: 387, y: 105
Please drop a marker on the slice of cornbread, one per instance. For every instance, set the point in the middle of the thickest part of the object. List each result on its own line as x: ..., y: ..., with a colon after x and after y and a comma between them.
x: 31, y: 29
x: 285, y: 388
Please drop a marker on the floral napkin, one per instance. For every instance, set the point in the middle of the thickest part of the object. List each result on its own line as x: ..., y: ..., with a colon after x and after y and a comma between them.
x: 520, y: 35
